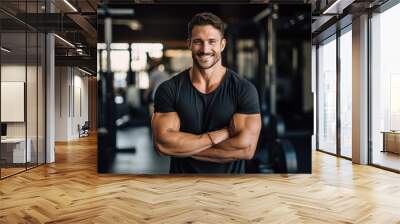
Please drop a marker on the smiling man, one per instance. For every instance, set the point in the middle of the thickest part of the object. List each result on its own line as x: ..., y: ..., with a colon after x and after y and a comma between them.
x: 207, y: 118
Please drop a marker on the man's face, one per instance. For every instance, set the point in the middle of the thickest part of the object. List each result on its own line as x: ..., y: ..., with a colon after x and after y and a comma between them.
x: 206, y: 45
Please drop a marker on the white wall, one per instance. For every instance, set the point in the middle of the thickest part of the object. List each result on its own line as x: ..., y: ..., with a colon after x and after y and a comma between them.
x: 12, y: 73
x: 61, y: 103
x: 80, y: 82
x: 71, y: 94
x: 17, y: 73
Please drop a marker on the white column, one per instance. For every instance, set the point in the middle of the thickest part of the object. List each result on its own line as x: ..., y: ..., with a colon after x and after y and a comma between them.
x: 50, y: 110
x: 360, y: 90
x: 50, y: 93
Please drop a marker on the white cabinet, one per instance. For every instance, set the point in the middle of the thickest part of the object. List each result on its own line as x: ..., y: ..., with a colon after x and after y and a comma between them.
x: 17, y: 145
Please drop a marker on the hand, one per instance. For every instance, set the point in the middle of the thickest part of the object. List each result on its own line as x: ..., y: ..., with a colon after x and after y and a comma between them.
x: 219, y: 135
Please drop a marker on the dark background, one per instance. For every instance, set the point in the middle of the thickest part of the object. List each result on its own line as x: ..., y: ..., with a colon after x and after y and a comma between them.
x: 279, y: 53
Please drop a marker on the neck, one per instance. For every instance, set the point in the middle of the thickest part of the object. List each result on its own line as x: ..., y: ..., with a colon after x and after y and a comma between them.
x: 206, y: 80
x: 208, y: 76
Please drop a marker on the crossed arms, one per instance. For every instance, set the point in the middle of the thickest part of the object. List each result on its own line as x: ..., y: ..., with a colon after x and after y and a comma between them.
x: 238, y: 141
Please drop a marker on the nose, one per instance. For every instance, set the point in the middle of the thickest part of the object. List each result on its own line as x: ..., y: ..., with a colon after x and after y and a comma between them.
x: 205, y: 47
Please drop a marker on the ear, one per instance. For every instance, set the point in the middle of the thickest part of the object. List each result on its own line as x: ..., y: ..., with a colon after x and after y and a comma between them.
x: 223, y: 44
x: 189, y: 43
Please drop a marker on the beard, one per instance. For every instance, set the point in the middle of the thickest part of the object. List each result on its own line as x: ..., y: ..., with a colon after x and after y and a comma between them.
x: 214, y: 59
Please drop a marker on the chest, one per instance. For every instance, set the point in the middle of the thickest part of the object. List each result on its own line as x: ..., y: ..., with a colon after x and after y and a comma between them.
x: 200, y: 113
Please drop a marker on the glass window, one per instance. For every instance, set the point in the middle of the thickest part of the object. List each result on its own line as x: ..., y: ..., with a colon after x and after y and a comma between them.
x: 327, y: 95
x: 346, y: 93
x: 385, y: 88
x: 15, y: 150
x: 22, y: 90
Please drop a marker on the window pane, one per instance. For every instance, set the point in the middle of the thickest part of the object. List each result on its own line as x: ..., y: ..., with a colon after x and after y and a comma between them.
x: 385, y: 86
x: 13, y: 85
x: 327, y: 96
x: 345, y: 94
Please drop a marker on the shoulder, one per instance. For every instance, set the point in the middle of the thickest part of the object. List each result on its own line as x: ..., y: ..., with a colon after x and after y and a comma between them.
x: 174, y: 80
x: 173, y: 83
x: 247, y: 95
x: 240, y: 82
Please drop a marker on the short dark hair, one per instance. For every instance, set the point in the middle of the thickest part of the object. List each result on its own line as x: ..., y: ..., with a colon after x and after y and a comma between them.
x: 206, y: 18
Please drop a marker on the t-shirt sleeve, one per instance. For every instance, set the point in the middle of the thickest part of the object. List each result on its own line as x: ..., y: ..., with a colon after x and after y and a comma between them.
x: 248, y: 102
x: 164, y: 99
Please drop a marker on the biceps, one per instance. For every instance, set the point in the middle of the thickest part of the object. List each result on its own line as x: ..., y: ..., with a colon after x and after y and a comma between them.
x: 246, y: 126
x: 163, y: 122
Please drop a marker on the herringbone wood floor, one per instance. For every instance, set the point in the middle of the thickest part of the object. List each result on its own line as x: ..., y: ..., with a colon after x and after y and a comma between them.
x: 70, y: 191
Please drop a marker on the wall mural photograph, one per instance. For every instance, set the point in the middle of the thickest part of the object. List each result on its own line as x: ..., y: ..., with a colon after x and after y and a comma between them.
x: 204, y: 89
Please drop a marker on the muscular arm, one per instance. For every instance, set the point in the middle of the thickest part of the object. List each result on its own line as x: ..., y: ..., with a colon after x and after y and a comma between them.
x: 169, y: 140
x: 245, y: 130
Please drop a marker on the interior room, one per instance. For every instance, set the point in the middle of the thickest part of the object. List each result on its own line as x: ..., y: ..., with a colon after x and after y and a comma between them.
x: 53, y: 116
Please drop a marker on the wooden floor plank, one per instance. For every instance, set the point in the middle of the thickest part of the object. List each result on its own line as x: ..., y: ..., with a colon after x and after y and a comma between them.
x: 71, y: 191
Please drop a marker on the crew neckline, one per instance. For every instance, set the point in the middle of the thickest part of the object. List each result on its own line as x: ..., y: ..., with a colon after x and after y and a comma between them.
x: 212, y: 92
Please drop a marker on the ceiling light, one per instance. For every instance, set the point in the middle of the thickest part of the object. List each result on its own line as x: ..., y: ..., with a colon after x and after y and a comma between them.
x: 64, y: 40
x: 119, y: 46
x: 331, y: 7
x: 84, y: 71
x: 135, y: 25
x: 338, y: 6
x: 5, y: 50
x: 70, y: 5
x: 79, y: 51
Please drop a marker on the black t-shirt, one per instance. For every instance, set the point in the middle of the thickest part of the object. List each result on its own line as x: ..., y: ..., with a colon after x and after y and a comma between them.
x: 200, y: 113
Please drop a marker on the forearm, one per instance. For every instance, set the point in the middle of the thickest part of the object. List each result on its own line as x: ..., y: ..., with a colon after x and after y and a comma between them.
x: 211, y: 159
x: 238, y: 142
x: 216, y: 153
x: 181, y: 144
x: 242, y: 144
x: 231, y: 149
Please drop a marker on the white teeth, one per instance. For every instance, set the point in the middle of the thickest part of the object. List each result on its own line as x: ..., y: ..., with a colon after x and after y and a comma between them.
x: 205, y: 57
